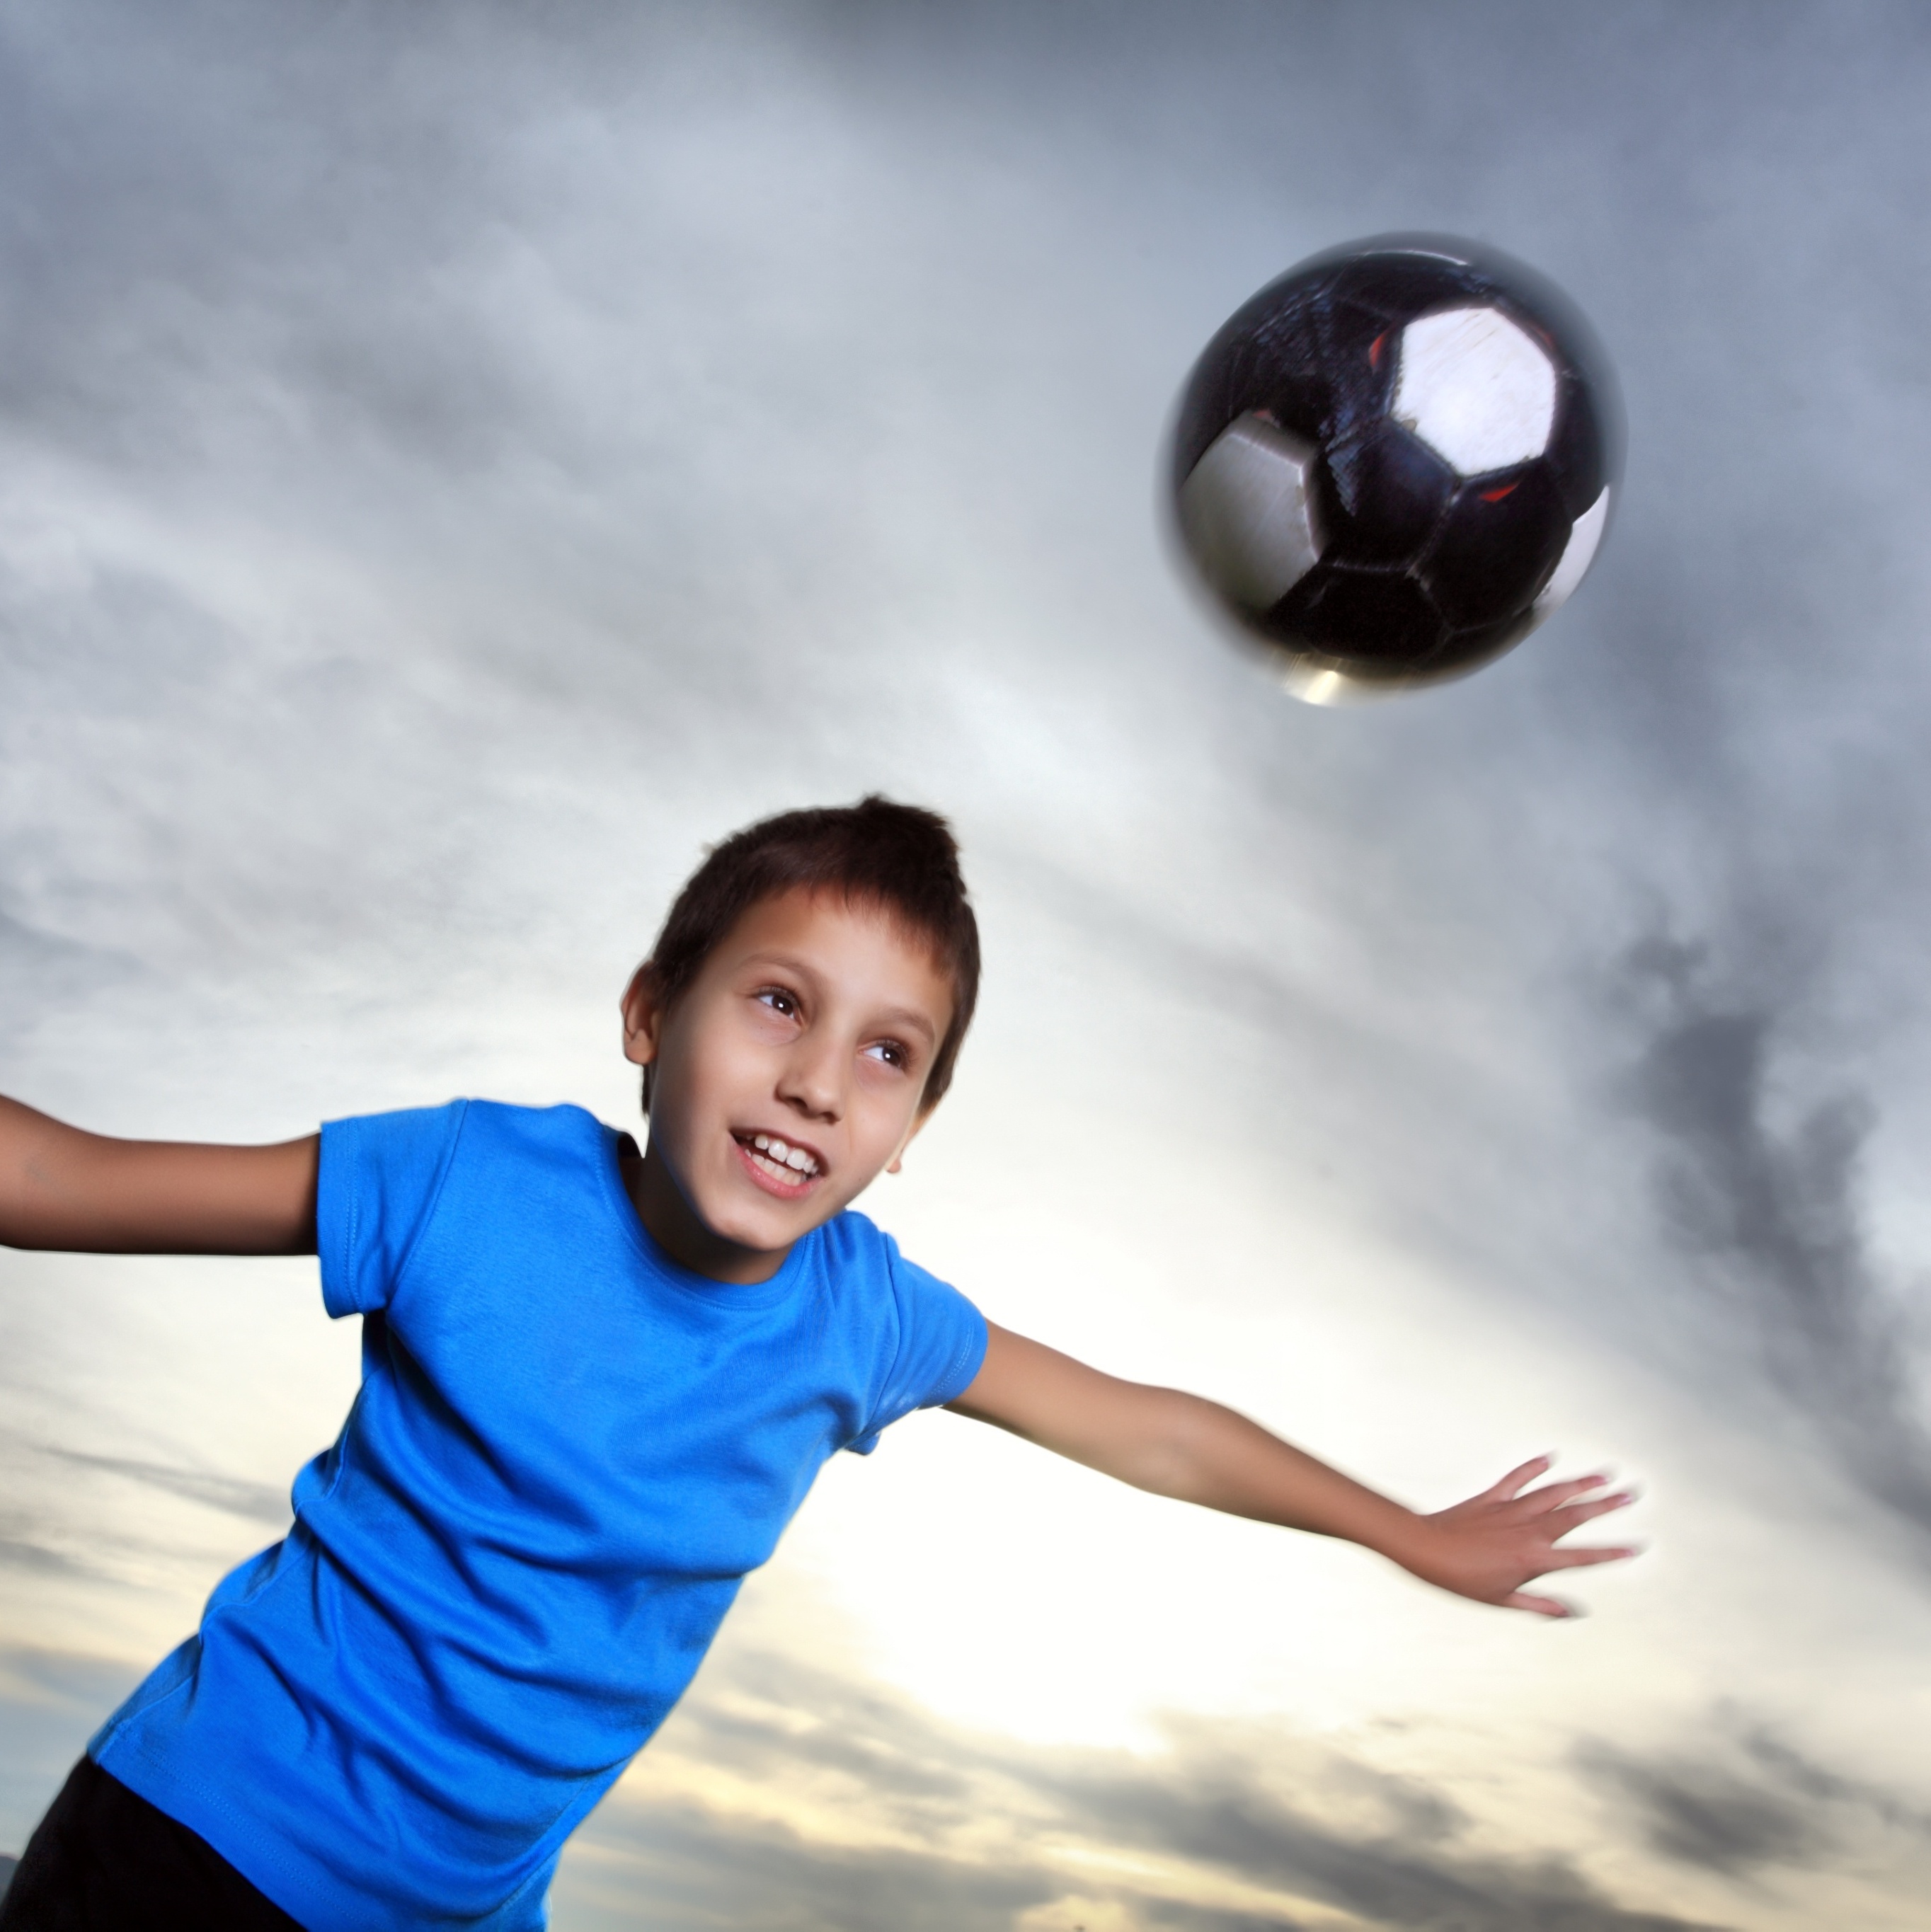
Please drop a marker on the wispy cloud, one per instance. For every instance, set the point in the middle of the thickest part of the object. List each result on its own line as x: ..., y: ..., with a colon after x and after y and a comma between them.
x: 1770, y: 1212
x: 20, y: 1549
x: 1744, y: 1799
x: 39, y: 969
x: 56, y: 1521
x: 255, y: 1502
x: 788, y: 1796
x: 50, y: 1701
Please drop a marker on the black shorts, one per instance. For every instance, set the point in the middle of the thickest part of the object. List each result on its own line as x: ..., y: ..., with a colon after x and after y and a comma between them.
x: 104, y: 1860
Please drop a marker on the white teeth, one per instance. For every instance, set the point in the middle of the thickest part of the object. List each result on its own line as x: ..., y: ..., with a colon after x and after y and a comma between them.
x: 781, y: 1160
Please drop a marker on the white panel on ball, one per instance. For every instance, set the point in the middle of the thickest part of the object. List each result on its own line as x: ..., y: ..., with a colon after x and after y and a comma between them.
x: 1578, y: 554
x: 1247, y: 514
x: 1477, y: 389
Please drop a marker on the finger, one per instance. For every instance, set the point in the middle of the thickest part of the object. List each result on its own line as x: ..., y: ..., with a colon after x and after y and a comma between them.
x: 1593, y: 1552
x: 1574, y: 1515
x: 1517, y: 1479
x: 1553, y: 1495
x: 1541, y: 1606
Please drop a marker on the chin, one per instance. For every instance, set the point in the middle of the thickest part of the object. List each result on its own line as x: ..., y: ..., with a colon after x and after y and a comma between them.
x: 763, y: 1226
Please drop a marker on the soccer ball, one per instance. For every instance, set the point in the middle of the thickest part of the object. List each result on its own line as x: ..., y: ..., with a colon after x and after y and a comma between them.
x: 1392, y: 463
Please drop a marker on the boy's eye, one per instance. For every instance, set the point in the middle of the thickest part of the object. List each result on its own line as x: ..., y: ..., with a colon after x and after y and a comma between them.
x: 891, y: 1052
x: 778, y: 999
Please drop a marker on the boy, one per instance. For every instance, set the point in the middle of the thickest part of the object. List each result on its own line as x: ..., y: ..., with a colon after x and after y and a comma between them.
x: 596, y: 1385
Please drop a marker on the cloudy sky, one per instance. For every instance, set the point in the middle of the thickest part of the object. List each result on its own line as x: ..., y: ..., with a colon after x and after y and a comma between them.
x: 455, y: 461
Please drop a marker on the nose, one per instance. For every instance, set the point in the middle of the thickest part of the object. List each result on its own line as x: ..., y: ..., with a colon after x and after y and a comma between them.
x: 810, y: 1082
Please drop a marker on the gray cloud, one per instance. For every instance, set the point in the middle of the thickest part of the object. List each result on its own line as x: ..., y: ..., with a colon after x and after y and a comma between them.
x: 18, y: 1552
x: 40, y: 971
x: 1240, y: 1803
x: 1226, y: 1818
x: 1707, y: 1816
x: 1772, y: 1213
x: 1745, y: 1799
x: 690, y: 1868
x: 65, y: 1525
x: 50, y: 1703
x: 254, y: 1502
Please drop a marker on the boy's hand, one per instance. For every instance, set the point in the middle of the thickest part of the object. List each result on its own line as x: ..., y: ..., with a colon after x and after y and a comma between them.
x: 1490, y: 1547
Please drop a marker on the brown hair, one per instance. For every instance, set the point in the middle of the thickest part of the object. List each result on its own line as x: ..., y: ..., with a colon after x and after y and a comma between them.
x: 900, y: 858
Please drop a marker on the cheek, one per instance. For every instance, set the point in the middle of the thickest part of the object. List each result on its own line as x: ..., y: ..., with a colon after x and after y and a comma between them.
x: 726, y: 1067
x: 887, y: 1102
x: 878, y: 1085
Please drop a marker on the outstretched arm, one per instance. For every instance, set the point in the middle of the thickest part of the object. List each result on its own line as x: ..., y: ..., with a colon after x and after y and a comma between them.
x: 60, y: 1188
x: 1490, y: 1548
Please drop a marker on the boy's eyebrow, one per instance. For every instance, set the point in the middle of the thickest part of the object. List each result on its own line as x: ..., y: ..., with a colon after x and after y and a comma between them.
x: 911, y: 1020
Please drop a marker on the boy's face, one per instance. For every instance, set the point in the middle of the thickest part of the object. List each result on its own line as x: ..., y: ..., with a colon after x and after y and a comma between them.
x: 787, y: 1075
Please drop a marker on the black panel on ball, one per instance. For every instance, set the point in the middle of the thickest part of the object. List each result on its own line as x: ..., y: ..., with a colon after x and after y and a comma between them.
x: 1496, y: 546
x: 1358, y: 353
x: 1380, y: 619
x: 1398, y: 287
x: 1268, y: 356
x: 1502, y: 536
x: 1469, y: 650
x: 1284, y: 372
x: 1380, y: 495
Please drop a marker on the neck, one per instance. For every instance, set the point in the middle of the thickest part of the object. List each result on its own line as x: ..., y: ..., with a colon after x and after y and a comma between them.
x: 671, y: 1221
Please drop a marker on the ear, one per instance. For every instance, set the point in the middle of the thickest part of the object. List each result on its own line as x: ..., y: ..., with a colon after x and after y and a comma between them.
x: 643, y: 1018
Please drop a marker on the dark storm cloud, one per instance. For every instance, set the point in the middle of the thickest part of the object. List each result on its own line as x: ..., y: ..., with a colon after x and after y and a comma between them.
x: 1232, y: 1803
x: 1745, y: 1799
x: 1770, y: 1214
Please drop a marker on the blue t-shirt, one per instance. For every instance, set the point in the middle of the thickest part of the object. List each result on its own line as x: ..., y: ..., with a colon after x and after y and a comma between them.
x: 566, y: 1453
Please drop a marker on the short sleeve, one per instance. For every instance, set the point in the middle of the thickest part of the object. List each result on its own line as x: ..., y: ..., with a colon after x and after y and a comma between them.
x: 941, y: 1345
x: 379, y: 1177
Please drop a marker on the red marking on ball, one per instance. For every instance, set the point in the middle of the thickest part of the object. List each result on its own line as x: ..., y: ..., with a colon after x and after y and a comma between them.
x: 1495, y: 496
x: 1374, y: 350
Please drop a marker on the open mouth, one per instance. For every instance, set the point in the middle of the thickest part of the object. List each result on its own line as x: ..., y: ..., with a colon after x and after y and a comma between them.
x: 781, y: 1168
